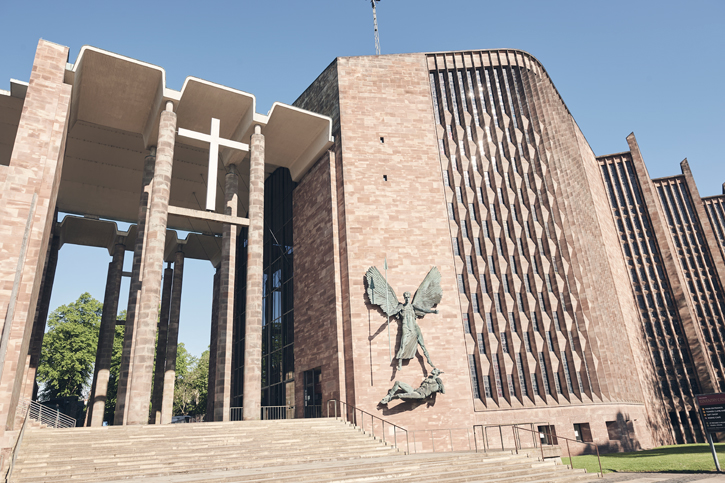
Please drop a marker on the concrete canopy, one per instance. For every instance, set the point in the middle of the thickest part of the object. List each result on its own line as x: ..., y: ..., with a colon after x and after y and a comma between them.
x: 115, y: 107
x: 91, y: 232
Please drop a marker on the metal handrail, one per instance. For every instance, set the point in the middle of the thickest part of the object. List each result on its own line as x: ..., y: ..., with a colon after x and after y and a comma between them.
x: 450, y: 437
x: 46, y: 415
x: 485, y: 429
x: 571, y: 462
x: 372, y: 421
x: 267, y: 412
x: 14, y: 453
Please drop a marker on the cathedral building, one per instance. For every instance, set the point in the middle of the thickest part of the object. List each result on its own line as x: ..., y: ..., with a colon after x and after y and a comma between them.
x: 577, y: 295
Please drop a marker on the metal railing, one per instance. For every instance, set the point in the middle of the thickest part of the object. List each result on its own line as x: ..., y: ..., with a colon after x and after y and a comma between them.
x: 313, y: 411
x: 14, y: 454
x: 50, y: 417
x: 351, y: 416
x: 517, y: 440
x: 449, y: 432
x: 267, y: 413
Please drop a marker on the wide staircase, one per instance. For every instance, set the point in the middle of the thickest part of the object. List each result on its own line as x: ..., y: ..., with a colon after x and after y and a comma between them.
x: 320, y: 450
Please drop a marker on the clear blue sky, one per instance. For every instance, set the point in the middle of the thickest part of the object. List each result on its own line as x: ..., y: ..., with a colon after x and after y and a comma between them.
x: 655, y: 68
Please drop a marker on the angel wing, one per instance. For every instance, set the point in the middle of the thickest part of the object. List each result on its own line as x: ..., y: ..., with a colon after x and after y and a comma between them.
x: 429, y: 293
x: 380, y: 293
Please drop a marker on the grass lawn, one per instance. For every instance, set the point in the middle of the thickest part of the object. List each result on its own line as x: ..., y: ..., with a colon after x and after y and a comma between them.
x: 684, y: 458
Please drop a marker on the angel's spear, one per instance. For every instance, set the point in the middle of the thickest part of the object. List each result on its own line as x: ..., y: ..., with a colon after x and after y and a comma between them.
x: 390, y: 352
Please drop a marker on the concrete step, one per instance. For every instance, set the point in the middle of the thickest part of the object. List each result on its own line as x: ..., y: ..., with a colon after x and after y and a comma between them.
x: 289, y: 451
x: 413, y: 468
x: 215, y: 462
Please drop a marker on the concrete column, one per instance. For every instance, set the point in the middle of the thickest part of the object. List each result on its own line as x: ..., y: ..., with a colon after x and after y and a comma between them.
x: 102, y: 372
x: 211, y: 381
x: 167, y: 404
x: 135, y: 289
x: 30, y: 391
x: 141, y: 368
x: 225, y: 327
x: 255, y: 252
x: 161, y: 348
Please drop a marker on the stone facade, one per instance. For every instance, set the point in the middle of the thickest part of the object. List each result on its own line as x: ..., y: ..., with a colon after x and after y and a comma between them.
x: 487, y: 134
x: 27, y: 203
x: 576, y: 290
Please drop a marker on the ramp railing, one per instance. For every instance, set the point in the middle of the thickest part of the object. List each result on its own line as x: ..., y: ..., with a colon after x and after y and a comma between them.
x: 350, y: 415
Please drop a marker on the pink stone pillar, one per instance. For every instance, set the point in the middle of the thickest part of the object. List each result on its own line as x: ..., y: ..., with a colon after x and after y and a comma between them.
x: 102, y: 372
x: 161, y: 348
x: 134, y: 290
x: 167, y: 404
x: 141, y: 368
x: 28, y: 193
x: 225, y: 324
x: 252, y: 397
x: 41, y: 316
x: 211, y: 381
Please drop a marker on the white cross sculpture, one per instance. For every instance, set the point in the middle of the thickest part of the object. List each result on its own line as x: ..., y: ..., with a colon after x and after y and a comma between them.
x: 214, y: 142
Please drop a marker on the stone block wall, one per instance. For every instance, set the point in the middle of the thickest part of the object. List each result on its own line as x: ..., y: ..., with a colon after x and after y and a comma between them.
x: 394, y: 208
x: 27, y: 202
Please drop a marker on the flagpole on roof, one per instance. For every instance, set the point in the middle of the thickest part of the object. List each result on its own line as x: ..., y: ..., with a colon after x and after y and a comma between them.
x: 375, y: 24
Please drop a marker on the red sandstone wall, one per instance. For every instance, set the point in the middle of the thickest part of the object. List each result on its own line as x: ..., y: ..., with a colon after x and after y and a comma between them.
x: 34, y: 169
x: 318, y: 308
x: 319, y: 290
x: 403, y: 218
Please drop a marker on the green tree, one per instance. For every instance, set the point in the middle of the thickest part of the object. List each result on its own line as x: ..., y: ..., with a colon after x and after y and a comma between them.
x: 69, y: 349
x: 112, y: 392
x: 190, y: 388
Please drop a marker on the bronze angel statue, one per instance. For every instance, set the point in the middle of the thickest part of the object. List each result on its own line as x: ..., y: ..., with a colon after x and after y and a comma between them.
x: 427, y: 296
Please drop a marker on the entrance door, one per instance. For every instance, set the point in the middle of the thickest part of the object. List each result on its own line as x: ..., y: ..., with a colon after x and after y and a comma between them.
x: 313, y: 393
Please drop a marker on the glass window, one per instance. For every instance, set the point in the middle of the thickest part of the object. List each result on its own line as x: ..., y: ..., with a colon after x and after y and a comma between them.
x: 544, y: 375
x: 487, y: 386
x: 481, y: 345
x: 474, y: 376
x: 512, y: 322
